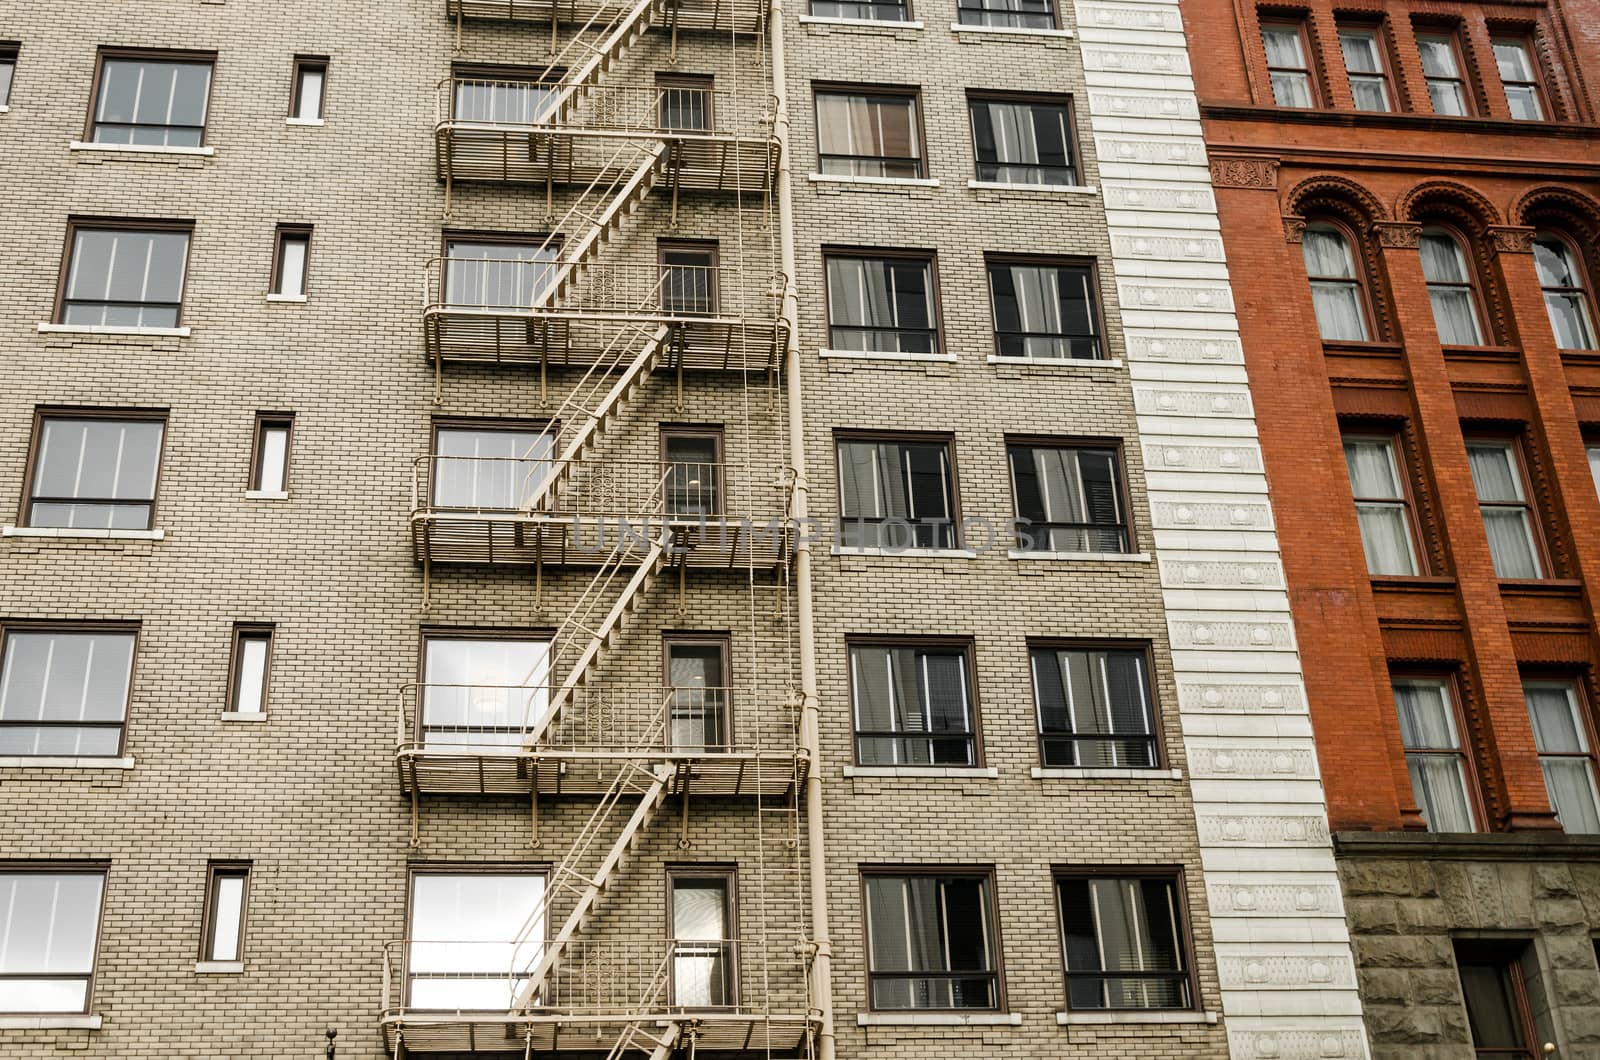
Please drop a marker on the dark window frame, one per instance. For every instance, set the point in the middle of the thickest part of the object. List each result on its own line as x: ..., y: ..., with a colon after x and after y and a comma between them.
x: 282, y: 233
x: 10, y: 55
x: 1308, y: 53
x: 1118, y: 450
x: 482, y: 423
x: 968, y: 649
x: 428, y: 633
x: 121, y: 224
x: 929, y: 257
x: 88, y: 867
x: 712, y: 431
x: 264, y: 422
x: 169, y: 55
x: 1146, y: 649
x: 732, y: 966
x: 910, y: 93
x: 1059, y: 261
x: 9, y: 626
x: 1395, y: 435
x: 902, y: 6
x: 1498, y: 951
x: 984, y: 872
x: 1176, y: 875
x: 945, y: 438
x: 41, y: 413
x: 249, y: 631
x: 303, y: 63
x: 216, y: 871
x: 1048, y: 99
x: 962, y: 9
x: 722, y: 640
x: 711, y: 247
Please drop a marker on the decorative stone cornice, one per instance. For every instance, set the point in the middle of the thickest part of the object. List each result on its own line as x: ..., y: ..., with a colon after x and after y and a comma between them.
x: 1403, y: 235
x: 1294, y: 229
x: 1254, y: 173
x: 1511, y: 239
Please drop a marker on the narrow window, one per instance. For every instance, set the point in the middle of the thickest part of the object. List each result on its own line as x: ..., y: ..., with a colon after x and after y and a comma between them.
x: 869, y: 134
x: 685, y: 102
x: 1383, y: 505
x: 483, y: 274
x: 1495, y: 989
x: 48, y: 937
x: 1007, y: 14
x: 227, y: 888
x: 1594, y: 465
x: 688, y: 277
x: 1368, y: 70
x: 1503, y: 499
x: 1562, y: 737
x: 151, y: 100
x: 896, y: 494
x: 1442, y: 68
x: 931, y: 942
x: 1513, y: 57
x: 8, y: 69
x: 697, y: 675
x: 491, y: 96
x: 482, y: 691
x: 124, y: 277
x: 1566, y: 297
x: 64, y: 691
x: 490, y: 468
x: 252, y: 657
x: 1044, y: 310
x: 290, y: 258
x: 913, y: 705
x: 865, y: 10
x: 94, y: 472
x: 1336, y: 284
x: 1093, y: 707
x: 1452, y: 288
x: 703, y: 942
x: 475, y: 937
x: 1287, y: 65
x: 1123, y: 942
x: 1022, y: 141
x: 269, y: 472
x: 881, y: 305
x: 310, y: 78
x: 693, y: 461
x: 1434, y: 758
x: 1068, y: 499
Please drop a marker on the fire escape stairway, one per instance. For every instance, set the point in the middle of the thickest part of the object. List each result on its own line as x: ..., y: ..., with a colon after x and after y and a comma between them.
x: 619, y: 27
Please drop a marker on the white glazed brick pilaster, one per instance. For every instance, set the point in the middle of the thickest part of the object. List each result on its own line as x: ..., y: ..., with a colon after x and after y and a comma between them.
x: 1283, y: 949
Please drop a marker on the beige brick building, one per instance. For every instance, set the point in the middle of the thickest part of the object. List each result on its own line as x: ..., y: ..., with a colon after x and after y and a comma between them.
x: 405, y: 631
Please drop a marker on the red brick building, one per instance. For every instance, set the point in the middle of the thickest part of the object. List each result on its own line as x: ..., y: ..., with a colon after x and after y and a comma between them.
x: 1410, y: 202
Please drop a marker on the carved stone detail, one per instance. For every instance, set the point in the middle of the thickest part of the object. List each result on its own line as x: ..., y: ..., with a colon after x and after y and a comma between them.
x: 1401, y: 235
x: 1260, y: 174
x: 1511, y: 239
x: 1294, y: 229
x: 1205, y: 515
x: 1241, y: 698
x: 1308, y: 1044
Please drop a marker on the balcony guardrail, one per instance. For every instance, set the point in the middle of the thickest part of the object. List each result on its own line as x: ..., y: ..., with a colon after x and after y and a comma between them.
x: 688, y: 294
x: 684, y: 111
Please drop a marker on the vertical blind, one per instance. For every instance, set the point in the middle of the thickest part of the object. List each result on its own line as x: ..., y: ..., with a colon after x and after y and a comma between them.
x: 491, y: 468
x: 930, y: 942
x: 912, y: 704
x: 151, y: 102
x: 1068, y: 500
x: 1094, y: 707
x: 1122, y: 943
x: 896, y: 494
x: 64, y: 692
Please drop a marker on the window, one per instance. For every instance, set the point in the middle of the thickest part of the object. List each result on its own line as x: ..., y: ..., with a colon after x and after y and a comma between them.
x: 866, y: 10
x: 291, y: 254
x: 1364, y: 62
x: 493, y: 468
x: 1565, y: 296
x: 1513, y: 57
x: 64, y: 691
x: 685, y: 102
x: 482, y: 690
x: 1043, y: 310
x: 1562, y: 737
x: 1507, y: 516
x: 310, y: 78
x: 227, y: 887
x: 475, y: 937
x: 1068, y: 499
x: 156, y: 99
x: 1434, y: 757
x: 1441, y: 68
x: 1494, y: 988
x: 496, y: 274
x: 124, y: 277
x: 8, y: 67
x: 704, y: 946
x: 1337, y: 288
x: 269, y: 470
x: 869, y: 134
x: 1123, y: 941
x: 1008, y: 14
x: 1093, y: 707
x: 697, y: 674
x: 896, y: 494
x: 95, y: 471
x: 1022, y: 141
x: 693, y: 460
x: 913, y: 705
x: 688, y: 277
x: 1383, y: 506
x: 1594, y: 465
x: 48, y: 937
x: 1451, y: 288
x: 931, y: 941
x: 1287, y: 65
x: 881, y: 304
x: 252, y: 656
x: 498, y: 96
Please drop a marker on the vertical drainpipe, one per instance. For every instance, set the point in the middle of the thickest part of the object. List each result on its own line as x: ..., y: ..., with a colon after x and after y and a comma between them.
x: 810, y: 742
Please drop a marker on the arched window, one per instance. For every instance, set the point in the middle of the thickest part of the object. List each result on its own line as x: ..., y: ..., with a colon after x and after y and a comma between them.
x: 1452, y: 288
x: 1565, y: 295
x: 1336, y: 284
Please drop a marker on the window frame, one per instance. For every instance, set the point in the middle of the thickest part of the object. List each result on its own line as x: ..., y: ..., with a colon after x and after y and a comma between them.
x: 543, y: 869
x: 911, y: 93
x: 984, y: 872
x: 10, y: 55
x: 168, y: 55
x: 1385, y: 74
x: 41, y: 413
x: 1584, y: 293
x: 945, y: 438
x: 1115, y: 446
x: 89, y: 867
x: 1583, y: 713
x: 216, y: 871
x: 1173, y: 873
x: 1520, y: 463
x: 556, y: 242
x: 1055, y: 20
x: 965, y: 645
x: 1308, y: 55
x: 1465, y: 752
x: 481, y: 423
x: 1058, y: 261
x: 1493, y: 950
x: 1527, y: 38
x: 666, y: 245
x: 1451, y: 35
x: 1475, y: 286
x: 9, y: 626
x: 930, y: 257
x: 1144, y: 648
x: 76, y: 224
x: 732, y: 973
x: 681, y: 81
x: 304, y: 63
x: 280, y: 235
x: 242, y: 632
x: 902, y: 5
x: 428, y: 633
x: 722, y: 640
x: 264, y: 422
x: 712, y: 431
x: 1366, y: 297
x: 1396, y: 438
x: 1048, y: 99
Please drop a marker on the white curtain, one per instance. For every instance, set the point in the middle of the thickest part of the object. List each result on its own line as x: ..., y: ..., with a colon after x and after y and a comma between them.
x: 1563, y: 745
x: 1385, y: 528
x: 699, y: 931
x: 1505, y: 517
x: 1334, y: 290
x: 861, y: 297
x: 1564, y: 297
x: 1433, y: 755
x: 1455, y: 311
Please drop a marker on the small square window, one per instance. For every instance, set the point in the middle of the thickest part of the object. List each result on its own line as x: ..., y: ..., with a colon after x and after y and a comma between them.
x: 151, y: 99
x: 310, y: 81
x: 227, y: 894
x: 8, y: 68
x: 252, y: 661
x: 290, y: 258
x: 269, y: 471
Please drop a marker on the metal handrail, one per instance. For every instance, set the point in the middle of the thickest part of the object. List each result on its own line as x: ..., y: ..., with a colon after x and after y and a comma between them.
x: 523, y: 287
x: 527, y: 105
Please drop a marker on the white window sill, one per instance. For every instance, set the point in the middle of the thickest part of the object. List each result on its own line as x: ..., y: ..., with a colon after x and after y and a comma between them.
x: 1043, y: 189
x: 925, y: 772
x: 219, y: 967
x: 916, y: 553
x: 871, y: 23
x: 286, y: 298
x: 1092, y: 557
x: 938, y: 1019
x: 106, y: 329
x: 1068, y: 1018
x: 1114, y: 363
x: 90, y: 534
x: 1011, y: 31
x: 882, y: 182
x: 888, y: 355
x: 47, y: 762
x: 49, y: 1023
x: 142, y: 149
x: 266, y: 495
x: 1103, y: 773
x: 304, y: 121
x: 234, y: 715
x: 4, y: 109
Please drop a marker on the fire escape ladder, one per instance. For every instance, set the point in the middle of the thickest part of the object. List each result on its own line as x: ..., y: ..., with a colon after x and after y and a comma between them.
x: 660, y: 1046
x: 619, y: 27
x: 623, y: 188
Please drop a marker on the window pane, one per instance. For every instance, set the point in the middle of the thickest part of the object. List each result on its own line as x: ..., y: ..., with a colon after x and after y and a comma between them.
x: 120, y: 278
x: 227, y: 913
x: 464, y: 931
x: 309, y: 92
x: 1022, y: 143
x: 83, y: 464
x: 1428, y: 733
x: 490, y: 468
x: 868, y: 136
x: 1438, y: 56
x: 273, y: 461
x: 8, y: 66
x: 870, y: 10
x: 1511, y: 58
x: 50, y: 922
x: 252, y: 677
x: 151, y: 102
x: 930, y: 942
x: 1094, y: 708
x: 497, y: 275
x: 1016, y: 14
x: 700, y: 935
x: 924, y: 693
x: 64, y: 693
x: 292, y: 264
x: 896, y: 494
x: 1492, y: 1010
x: 1283, y: 47
x: 1127, y: 929
x: 502, y: 102
x: 880, y: 305
x: 483, y: 692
